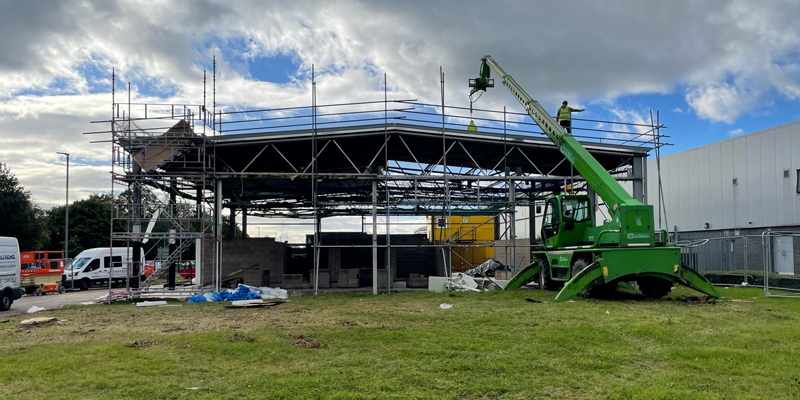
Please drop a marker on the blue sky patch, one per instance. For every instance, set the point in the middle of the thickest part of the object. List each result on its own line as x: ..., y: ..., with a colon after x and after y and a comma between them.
x: 278, y: 68
x: 244, y: 56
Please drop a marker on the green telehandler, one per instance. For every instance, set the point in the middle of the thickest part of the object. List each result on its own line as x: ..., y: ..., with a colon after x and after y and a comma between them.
x: 578, y: 256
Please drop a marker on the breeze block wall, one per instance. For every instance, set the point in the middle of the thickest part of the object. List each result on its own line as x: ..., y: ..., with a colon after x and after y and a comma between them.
x: 242, y: 253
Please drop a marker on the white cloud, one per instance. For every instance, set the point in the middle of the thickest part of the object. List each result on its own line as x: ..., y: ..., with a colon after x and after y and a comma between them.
x: 735, y: 132
x: 677, y: 110
x: 728, y: 57
x: 720, y: 102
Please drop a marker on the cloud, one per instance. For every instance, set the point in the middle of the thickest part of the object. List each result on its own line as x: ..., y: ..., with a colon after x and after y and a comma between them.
x: 677, y: 110
x: 721, y: 102
x: 727, y: 57
x: 735, y: 132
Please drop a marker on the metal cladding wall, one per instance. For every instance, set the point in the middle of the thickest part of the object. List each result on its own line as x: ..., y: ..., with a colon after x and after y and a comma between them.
x: 750, y: 181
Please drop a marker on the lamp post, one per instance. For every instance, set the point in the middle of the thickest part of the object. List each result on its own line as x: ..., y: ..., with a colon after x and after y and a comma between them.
x: 66, y: 224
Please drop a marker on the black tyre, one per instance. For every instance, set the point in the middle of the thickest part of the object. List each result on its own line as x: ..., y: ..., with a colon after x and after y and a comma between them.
x: 654, y: 288
x: 542, y: 275
x: 545, y: 281
x: 6, y: 300
x: 83, y: 284
x: 578, y: 266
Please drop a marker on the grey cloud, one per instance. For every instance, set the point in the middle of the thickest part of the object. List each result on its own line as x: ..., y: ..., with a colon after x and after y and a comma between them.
x: 723, y: 55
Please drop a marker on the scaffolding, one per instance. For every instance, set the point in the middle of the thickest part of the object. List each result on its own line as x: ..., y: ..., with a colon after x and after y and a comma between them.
x: 174, y: 204
x: 179, y: 165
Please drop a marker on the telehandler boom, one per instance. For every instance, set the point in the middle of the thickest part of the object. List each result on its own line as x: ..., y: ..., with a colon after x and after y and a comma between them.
x: 577, y: 255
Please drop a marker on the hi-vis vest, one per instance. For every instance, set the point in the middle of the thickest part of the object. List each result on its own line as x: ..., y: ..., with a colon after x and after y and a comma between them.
x: 564, y: 114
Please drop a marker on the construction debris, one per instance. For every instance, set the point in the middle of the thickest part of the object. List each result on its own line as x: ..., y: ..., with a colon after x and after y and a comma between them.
x: 461, y: 282
x: 487, y: 269
x: 151, y: 303
x: 253, y: 304
x: 242, y: 292
x: 38, y: 321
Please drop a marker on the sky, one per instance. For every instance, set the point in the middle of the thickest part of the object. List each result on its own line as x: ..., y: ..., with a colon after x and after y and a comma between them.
x: 712, y: 69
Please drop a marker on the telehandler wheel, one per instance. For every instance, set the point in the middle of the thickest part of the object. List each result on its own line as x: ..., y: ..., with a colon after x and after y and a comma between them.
x: 545, y: 282
x: 541, y: 275
x: 598, y: 291
x: 654, y: 288
x: 579, y: 265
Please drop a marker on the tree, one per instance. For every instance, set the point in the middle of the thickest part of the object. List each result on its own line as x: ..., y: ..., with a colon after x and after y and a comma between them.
x: 19, y: 216
x: 89, y: 224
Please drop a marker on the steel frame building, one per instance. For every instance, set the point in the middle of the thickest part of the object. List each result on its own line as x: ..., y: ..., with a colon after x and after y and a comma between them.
x: 182, y: 164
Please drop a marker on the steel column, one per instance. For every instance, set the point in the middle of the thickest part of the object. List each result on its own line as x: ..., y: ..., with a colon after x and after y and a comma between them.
x: 375, y: 236
x: 217, y: 274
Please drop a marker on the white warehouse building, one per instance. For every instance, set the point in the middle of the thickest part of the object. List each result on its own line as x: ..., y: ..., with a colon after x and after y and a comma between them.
x: 737, y: 187
x: 749, y: 181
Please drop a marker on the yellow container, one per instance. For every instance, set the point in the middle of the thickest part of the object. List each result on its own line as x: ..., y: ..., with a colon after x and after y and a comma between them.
x: 472, y: 237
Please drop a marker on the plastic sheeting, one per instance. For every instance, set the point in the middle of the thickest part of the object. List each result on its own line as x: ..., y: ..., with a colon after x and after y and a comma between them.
x: 242, y: 292
x: 486, y: 269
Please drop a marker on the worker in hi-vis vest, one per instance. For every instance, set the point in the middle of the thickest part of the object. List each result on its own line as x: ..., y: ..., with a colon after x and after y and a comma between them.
x: 565, y: 115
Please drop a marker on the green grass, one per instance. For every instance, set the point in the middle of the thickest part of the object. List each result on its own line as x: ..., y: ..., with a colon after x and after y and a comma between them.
x: 492, y: 345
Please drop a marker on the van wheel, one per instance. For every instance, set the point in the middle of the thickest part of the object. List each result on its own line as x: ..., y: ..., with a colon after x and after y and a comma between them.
x: 5, y: 301
x: 83, y: 285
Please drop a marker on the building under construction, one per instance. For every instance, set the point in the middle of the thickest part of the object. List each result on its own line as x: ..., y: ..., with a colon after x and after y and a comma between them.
x: 178, y: 169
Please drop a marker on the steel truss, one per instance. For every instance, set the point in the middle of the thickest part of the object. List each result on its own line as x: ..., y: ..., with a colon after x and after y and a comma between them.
x: 182, y: 164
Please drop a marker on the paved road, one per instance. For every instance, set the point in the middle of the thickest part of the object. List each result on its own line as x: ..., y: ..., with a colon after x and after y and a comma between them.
x: 51, y: 301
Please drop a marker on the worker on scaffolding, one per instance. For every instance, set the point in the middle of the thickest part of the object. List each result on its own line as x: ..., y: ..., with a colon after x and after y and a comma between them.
x: 565, y: 115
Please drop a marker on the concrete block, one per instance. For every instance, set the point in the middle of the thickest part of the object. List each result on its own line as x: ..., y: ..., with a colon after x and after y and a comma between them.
x: 417, y: 282
x: 503, y: 275
x: 436, y: 284
x: 292, y: 281
x: 347, y: 283
x: 255, y: 277
x: 324, y: 278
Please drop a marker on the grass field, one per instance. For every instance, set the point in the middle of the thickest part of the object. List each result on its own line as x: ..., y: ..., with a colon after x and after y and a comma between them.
x: 493, y: 345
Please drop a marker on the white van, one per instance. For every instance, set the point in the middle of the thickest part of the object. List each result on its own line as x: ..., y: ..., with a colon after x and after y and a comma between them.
x: 9, y: 272
x: 96, y: 266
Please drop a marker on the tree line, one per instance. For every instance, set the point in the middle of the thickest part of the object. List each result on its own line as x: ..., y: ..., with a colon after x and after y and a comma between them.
x: 89, y: 220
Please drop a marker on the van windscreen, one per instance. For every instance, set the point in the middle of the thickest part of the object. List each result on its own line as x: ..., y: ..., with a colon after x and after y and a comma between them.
x: 80, y: 262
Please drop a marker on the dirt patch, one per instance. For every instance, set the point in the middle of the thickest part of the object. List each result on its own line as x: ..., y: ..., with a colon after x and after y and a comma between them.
x: 348, y: 324
x: 392, y: 328
x: 238, y: 337
x: 307, y: 343
x: 142, y: 344
x: 699, y: 300
x: 173, y: 329
x: 304, y: 341
x: 187, y: 345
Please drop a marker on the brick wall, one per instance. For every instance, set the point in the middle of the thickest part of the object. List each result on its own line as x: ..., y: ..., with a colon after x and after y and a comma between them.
x: 241, y: 253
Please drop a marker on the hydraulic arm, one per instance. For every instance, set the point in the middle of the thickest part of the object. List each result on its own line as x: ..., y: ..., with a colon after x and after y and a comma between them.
x: 596, y: 176
x: 579, y: 256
